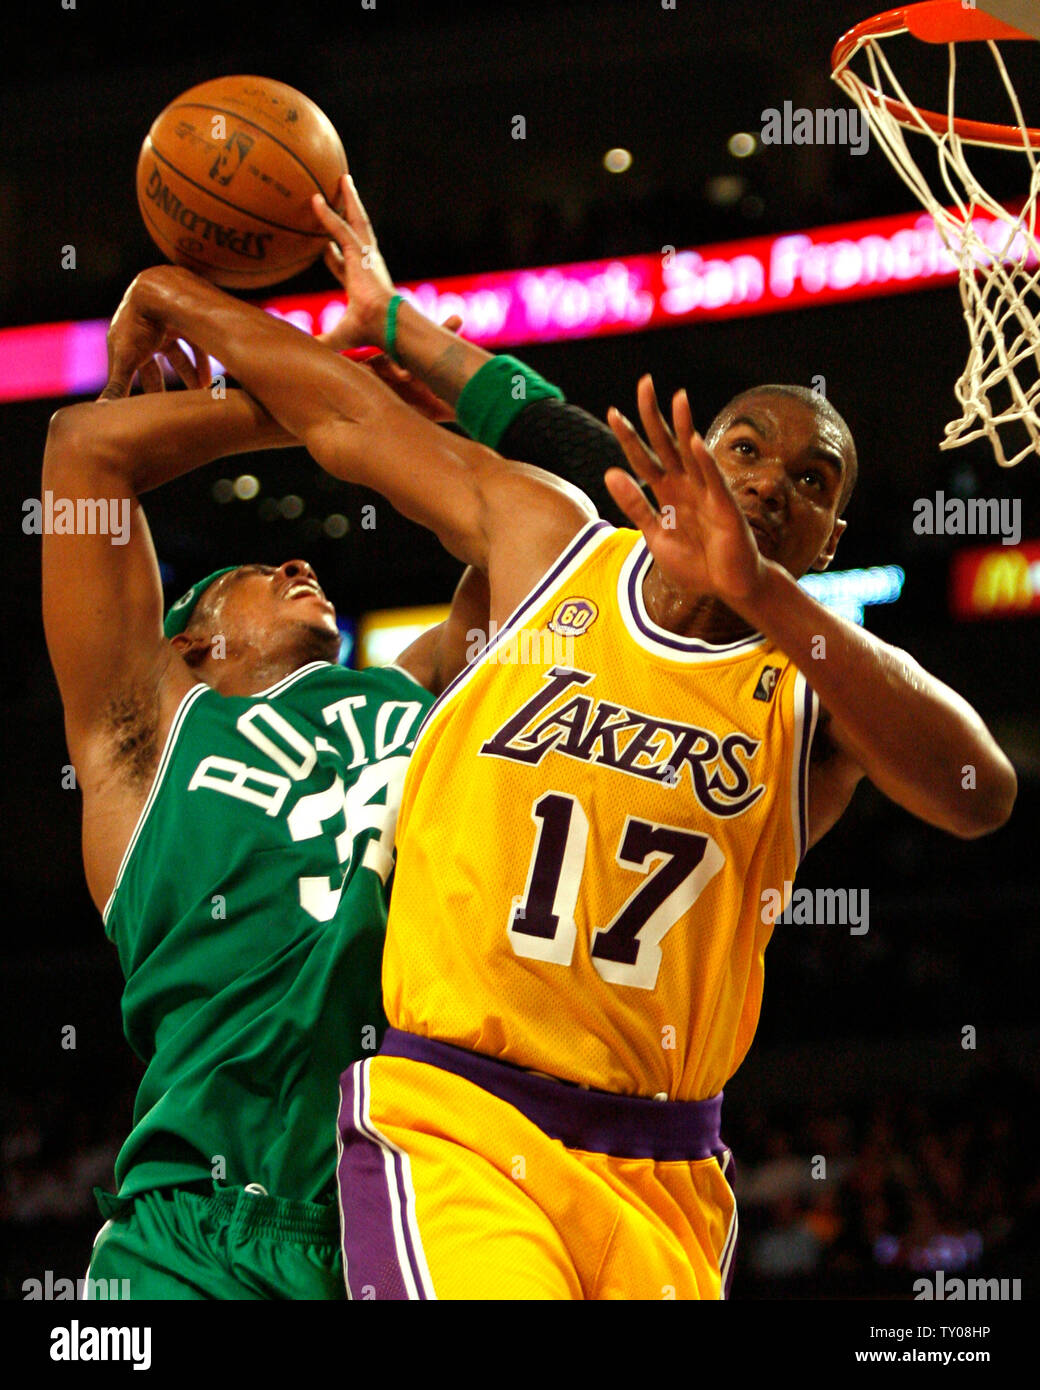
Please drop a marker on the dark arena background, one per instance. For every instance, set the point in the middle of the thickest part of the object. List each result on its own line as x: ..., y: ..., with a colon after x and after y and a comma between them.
x: 884, y: 1124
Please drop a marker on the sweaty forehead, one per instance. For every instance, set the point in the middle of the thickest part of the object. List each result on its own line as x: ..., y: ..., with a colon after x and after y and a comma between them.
x: 243, y: 571
x: 769, y: 415
x: 229, y: 581
x: 215, y: 595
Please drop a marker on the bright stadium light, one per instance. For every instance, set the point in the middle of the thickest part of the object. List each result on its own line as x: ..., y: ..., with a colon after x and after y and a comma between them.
x: 741, y: 144
x: 617, y: 161
x: 246, y: 487
x: 847, y: 592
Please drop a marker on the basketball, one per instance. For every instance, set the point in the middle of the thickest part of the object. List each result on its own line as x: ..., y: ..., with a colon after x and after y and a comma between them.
x: 225, y: 178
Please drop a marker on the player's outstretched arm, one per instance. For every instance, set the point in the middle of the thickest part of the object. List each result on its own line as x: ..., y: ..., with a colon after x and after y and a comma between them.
x: 507, y: 520
x: 102, y: 596
x: 916, y: 739
x: 497, y: 400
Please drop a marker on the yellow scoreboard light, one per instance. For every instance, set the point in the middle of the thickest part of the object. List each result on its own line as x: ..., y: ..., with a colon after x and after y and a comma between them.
x: 385, y: 633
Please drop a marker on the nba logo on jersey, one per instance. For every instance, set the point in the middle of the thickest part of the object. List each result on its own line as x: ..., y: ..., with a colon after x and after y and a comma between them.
x: 574, y: 616
x: 766, y: 682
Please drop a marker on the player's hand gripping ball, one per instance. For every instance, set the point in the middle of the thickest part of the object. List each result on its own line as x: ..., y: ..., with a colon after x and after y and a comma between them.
x: 225, y: 180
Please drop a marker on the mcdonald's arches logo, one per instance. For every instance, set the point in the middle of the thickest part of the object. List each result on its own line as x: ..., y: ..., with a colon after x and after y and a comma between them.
x: 996, y: 581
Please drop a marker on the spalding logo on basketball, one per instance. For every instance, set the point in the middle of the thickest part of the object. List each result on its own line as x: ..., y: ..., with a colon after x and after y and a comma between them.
x: 226, y: 175
x: 230, y: 245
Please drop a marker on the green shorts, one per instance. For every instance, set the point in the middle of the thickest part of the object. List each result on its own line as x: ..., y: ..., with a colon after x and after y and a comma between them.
x: 228, y: 1243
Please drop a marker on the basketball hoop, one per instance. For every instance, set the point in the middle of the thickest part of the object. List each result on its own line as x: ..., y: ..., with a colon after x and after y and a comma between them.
x: 996, y: 251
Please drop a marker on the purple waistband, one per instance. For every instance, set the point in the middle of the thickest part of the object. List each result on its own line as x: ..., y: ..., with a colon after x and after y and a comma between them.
x: 668, y: 1131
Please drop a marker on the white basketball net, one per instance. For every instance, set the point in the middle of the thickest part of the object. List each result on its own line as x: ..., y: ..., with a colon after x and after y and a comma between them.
x: 996, y: 253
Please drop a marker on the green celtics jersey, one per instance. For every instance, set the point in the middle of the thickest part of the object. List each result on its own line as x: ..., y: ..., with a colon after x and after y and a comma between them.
x: 249, y: 913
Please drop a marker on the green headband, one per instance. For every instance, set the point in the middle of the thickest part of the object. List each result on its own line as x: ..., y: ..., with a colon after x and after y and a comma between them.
x: 179, y: 616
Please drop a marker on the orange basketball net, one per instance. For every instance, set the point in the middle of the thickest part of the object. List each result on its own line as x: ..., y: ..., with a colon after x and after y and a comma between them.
x: 996, y: 252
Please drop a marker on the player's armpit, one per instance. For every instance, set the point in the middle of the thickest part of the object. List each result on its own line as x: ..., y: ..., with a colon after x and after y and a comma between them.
x: 833, y: 777
x: 528, y: 526
x: 529, y: 518
x: 437, y: 657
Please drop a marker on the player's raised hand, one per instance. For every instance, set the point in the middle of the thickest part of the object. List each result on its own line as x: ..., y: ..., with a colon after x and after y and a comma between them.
x: 699, y: 537
x: 138, y: 337
x: 354, y: 258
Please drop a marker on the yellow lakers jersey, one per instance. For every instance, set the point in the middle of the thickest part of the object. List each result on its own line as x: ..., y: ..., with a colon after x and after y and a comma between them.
x: 595, y: 825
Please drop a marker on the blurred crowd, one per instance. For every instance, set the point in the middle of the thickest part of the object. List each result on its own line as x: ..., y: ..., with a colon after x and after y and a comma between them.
x: 861, y: 1201
x: 845, y: 1201
x: 55, y: 1149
